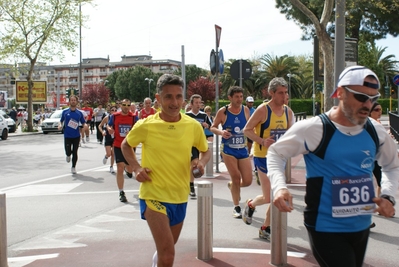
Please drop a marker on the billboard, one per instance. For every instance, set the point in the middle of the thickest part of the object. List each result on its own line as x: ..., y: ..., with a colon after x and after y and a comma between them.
x: 39, y: 92
x: 3, y: 99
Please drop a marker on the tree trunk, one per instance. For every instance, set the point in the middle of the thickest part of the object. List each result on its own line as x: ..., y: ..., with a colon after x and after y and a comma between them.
x: 326, y: 47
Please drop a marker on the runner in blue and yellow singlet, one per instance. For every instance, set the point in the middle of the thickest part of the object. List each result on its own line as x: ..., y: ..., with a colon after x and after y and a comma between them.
x: 233, y: 118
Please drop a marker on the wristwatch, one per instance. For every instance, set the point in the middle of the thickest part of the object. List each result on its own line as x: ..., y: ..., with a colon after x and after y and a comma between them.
x: 389, y: 198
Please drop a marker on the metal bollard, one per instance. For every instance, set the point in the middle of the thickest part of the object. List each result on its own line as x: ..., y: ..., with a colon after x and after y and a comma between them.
x: 288, y: 171
x: 205, y: 221
x: 278, y: 250
x: 209, y: 164
x: 3, y: 231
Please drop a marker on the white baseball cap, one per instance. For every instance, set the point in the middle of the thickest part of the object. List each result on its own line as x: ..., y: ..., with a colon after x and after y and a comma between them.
x: 355, y: 75
x: 250, y: 99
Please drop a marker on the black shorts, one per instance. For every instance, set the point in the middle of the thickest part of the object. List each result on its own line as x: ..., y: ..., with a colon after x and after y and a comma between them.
x: 250, y: 140
x: 194, y: 153
x: 109, y: 141
x: 119, y: 156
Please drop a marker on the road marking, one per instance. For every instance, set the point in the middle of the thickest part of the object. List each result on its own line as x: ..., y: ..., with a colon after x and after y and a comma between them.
x: 22, y: 261
x: 42, y: 189
x: 31, y: 194
x: 48, y: 179
x: 257, y: 251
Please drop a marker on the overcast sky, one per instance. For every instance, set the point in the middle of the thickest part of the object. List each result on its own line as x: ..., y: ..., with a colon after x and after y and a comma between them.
x: 160, y: 28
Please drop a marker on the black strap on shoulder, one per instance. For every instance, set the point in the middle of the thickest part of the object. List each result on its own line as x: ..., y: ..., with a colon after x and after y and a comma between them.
x: 369, y: 127
x: 225, y: 111
x: 328, y: 131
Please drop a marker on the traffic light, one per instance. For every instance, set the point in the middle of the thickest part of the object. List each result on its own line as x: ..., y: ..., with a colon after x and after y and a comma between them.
x: 319, y: 87
x: 386, y: 90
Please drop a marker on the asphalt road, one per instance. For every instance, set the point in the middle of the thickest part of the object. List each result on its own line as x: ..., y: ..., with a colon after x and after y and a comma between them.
x: 55, y: 218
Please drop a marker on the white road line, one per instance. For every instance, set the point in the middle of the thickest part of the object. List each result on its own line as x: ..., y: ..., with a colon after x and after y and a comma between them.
x: 33, y: 258
x: 257, y: 251
x: 48, y: 179
x: 70, y: 193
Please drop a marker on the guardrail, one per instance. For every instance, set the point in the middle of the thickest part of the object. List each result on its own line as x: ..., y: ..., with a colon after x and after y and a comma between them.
x: 394, y: 124
x: 300, y: 116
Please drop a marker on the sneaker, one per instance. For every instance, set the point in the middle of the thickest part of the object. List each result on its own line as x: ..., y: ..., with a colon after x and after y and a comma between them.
x: 248, y: 212
x: 87, y: 139
x: 111, y: 170
x: 68, y: 159
x: 372, y: 225
x: 229, y: 184
x: 257, y: 177
x: 129, y: 174
x: 122, y: 196
x: 192, y: 192
x: 237, y: 212
x: 83, y: 141
x: 265, y: 234
x: 73, y: 170
x: 105, y: 160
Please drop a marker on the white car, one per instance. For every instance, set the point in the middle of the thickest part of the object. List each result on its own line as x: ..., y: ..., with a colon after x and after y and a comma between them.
x: 12, y: 126
x: 51, y: 124
x: 3, y: 128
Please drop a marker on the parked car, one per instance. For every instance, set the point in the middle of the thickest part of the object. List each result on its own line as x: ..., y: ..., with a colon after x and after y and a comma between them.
x: 51, y: 124
x: 3, y: 128
x: 12, y: 126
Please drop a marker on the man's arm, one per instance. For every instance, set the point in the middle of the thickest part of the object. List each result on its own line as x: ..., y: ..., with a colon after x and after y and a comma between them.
x: 255, y: 119
x: 140, y: 173
x: 220, y: 116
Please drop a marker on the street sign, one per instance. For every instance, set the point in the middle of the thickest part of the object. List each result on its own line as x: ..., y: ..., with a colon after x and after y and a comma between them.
x: 246, y: 70
x: 218, y: 30
x: 212, y: 62
x: 396, y: 79
x: 221, y: 61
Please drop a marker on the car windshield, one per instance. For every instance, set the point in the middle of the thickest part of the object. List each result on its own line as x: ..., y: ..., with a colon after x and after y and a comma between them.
x: 56, y: 114
x: 4, y: 114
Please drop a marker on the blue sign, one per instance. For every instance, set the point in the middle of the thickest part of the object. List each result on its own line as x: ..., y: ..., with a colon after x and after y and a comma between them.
x: 396, y: 79
x: 221, y: 61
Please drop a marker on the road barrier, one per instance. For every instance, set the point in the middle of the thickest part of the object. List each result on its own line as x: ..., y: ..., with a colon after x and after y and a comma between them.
x: 209, y: 164
x: 394, y: 124
x: 3, y: 231
x: 205, y: 221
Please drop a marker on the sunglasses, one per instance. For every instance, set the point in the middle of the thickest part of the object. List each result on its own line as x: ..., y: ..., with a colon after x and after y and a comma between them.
x: 363, y: 97
x: 113, y: 109
x: 126, y: 105
x: 377, y: 109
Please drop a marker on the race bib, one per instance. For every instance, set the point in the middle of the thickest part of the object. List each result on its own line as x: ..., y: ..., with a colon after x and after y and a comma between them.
x: 124, y: 129
x: 277, y: 133
x: 73, y: 124
x: 237, y: 140
x: 352, y: 196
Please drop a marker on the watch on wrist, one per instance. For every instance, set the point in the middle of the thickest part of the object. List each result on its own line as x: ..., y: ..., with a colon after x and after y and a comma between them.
x: 389, y: 198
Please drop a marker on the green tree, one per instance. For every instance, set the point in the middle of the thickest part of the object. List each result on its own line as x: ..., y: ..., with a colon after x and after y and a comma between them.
x: 38, y: 30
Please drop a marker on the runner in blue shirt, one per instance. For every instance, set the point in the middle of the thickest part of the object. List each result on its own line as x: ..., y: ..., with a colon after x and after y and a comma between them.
x: 70, y: 120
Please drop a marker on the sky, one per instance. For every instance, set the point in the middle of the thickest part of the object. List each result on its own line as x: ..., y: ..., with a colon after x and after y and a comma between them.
x: 250, y: 28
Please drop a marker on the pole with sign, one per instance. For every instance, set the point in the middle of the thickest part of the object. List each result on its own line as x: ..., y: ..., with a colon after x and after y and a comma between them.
x: 218, y: 31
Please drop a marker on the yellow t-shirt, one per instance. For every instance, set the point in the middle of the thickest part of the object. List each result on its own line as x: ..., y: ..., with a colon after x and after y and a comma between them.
x: 272, y: 125
x: 166, y: 151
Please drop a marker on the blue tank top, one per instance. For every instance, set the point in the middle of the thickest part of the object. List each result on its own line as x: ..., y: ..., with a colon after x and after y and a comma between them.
x: 235, y: 124
x: 339, y: 180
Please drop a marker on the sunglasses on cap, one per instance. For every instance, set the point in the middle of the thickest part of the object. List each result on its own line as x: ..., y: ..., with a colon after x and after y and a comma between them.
x: 363, y: 97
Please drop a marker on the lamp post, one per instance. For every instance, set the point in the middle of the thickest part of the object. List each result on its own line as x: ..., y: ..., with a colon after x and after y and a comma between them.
x: 289, y: 88
x: 80, y: 51
x: 149, y: 85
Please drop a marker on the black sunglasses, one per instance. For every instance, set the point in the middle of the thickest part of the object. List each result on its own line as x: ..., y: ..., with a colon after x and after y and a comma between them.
x: 363, y: 97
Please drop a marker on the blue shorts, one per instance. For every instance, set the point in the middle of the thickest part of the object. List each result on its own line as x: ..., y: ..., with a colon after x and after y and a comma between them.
x: 260, y: 164
x: 238, y: 153
x: 175, y: 212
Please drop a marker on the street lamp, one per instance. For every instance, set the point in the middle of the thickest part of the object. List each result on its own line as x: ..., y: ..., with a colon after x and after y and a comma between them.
x: 149, y: 85
x: 289, y: 88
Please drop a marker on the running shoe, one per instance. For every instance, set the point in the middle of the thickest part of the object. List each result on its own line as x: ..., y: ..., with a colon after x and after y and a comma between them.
x: 111, y: 170
x: 192, y: 192
x: 68, y: 159
x: 372, y: 225
x: 265, y: 233
x: 105, y: 160
x: 248, y: 212
x: 237, y: 212
x: 83, y: 140
x: 129, y: 174
x: 73, y: 170
x: 87, y: 139
x: 122, y: 196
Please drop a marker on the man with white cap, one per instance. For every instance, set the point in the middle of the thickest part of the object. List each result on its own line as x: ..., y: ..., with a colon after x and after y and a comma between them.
x: 339, y: 148
x: 249, y: 102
